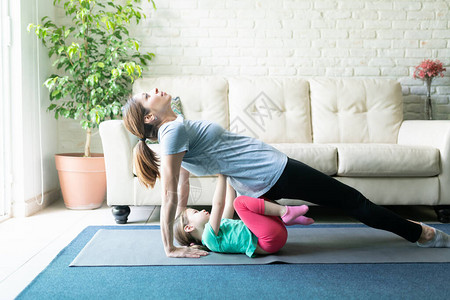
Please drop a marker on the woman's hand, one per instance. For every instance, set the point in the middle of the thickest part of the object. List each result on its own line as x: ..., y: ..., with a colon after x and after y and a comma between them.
x: 187, y: 252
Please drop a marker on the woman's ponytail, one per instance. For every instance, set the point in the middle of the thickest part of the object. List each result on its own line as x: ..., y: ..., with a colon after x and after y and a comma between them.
x: 146, y: 162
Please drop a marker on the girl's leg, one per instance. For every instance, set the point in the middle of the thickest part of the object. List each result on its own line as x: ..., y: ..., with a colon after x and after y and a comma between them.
x: 299, y: 181
x: 291, y: 215
x: 270, y: 230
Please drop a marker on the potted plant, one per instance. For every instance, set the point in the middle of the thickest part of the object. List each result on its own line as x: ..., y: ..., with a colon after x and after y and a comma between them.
x: 97, y: 62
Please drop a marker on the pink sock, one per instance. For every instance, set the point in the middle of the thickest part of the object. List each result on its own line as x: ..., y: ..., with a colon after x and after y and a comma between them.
x: 294, y: 215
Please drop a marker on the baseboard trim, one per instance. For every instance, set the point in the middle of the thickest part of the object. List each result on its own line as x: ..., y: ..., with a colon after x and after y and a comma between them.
x: 31, y: 206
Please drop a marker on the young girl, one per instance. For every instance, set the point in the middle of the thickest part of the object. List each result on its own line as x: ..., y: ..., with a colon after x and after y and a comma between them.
x: 261, y: 229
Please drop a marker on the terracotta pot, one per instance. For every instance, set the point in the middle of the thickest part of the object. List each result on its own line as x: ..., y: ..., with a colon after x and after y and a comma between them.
x: 82, y: 179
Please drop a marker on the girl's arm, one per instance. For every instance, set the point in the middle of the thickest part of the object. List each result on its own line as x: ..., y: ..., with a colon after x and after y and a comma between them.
x: 170, y: 173
x: 228, y: 212
x: 218, y: 203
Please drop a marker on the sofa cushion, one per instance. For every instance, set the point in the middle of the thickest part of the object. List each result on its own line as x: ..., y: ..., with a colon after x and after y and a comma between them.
x: 202, y: 98
x: 355, y: 110
x: 270, y: 109
x: 396, y: 191
x: 320, y: 157
x: 381, y: 160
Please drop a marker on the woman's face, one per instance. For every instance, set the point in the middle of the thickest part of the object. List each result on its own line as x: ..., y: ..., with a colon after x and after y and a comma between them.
x: 155, y: 101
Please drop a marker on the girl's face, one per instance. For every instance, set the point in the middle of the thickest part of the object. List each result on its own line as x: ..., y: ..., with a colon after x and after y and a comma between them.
x: 155, y: 101
x: 197, y: 218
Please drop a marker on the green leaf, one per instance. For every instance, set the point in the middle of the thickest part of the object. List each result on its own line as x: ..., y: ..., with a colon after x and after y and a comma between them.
x: 115, y: 110
x: 138, y: 68
x: 55, y: 93
x: 84, y: 124
x: 115, y: 73
x: 143, y: 61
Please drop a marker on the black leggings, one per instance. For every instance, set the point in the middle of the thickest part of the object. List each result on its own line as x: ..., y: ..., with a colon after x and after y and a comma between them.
x: 299, y: 181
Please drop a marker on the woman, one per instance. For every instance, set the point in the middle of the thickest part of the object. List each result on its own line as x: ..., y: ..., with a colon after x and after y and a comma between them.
x: 253, y: 168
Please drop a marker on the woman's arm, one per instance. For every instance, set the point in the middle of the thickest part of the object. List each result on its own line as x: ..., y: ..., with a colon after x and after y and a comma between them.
x: 218, y: 203
x: 170, y: 173
x: 183, y: 190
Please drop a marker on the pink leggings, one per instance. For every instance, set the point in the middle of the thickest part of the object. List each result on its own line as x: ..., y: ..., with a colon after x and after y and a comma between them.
x: 270, y: 230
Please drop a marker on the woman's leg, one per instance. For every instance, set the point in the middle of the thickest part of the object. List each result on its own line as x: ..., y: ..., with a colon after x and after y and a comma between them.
x: 299, y: 181
x: 270, y: 230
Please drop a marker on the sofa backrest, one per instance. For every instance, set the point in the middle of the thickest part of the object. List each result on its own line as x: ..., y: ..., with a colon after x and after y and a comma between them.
x: 274, y: 110
x: 345, y: 110
x: 202, y: 97
x: 290, y: 110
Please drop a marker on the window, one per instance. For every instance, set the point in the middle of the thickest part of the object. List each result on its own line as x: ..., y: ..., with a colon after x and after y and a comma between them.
x: 5, y: 109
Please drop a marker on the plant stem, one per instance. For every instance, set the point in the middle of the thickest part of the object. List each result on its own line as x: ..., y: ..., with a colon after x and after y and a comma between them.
x: 87, y: 146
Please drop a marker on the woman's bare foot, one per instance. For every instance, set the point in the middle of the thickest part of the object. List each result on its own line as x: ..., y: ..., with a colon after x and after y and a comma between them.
x: 427, y: 235
x: 433, y: 238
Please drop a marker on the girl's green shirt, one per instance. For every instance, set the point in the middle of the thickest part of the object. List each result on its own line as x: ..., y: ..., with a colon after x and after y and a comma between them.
x: 233, y: 237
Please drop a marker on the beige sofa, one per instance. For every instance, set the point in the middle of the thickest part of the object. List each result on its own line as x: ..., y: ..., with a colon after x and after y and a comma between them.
x: 352, y: 129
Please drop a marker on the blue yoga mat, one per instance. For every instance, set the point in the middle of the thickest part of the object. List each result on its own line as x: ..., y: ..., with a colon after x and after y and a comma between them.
x: 269, y: 281
x: 306, y: 244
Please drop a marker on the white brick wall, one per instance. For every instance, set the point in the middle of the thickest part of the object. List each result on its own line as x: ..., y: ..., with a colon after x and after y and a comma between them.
x: 303, y: 38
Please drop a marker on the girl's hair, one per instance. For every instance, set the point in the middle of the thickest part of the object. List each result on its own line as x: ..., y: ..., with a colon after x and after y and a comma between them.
x: 146, y: 162
x: 185, y: 238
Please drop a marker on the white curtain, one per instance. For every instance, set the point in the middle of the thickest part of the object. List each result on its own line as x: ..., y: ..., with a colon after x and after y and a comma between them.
x: 5, y: 110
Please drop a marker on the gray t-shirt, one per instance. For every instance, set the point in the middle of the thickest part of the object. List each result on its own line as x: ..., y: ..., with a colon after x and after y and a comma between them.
x: 252, y: 166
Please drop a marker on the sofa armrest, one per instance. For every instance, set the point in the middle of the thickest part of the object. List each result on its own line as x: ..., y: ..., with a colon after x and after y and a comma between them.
x: 118, y: 146
x: 434, y: 134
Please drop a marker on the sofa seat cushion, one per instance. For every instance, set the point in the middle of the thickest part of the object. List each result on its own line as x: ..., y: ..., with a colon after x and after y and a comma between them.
x: 392, y: 160
x: 319, y: 156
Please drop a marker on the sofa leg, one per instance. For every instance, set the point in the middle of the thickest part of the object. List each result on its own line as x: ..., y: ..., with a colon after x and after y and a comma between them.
x: 443, y: 213
x: 121, y: 213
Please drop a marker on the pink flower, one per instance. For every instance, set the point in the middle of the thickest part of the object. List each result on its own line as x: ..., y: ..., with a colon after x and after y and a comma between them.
x: 429, y: 69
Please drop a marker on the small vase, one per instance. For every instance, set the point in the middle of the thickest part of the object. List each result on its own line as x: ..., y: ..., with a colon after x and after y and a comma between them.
x: 428, y: 108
